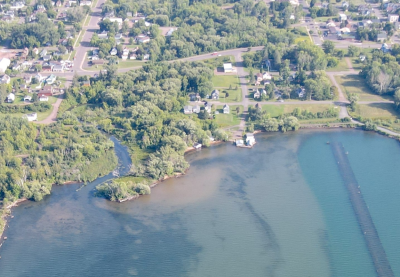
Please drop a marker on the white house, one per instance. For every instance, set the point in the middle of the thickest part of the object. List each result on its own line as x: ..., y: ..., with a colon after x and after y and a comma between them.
x: 266, y: 76
x: 43, y: 98
x: 342, y: 17
x: 28, y: 98
x: 58, y: 68
x: 196, y: 109
x: 51, y: 79
x: 393, y: 18
x: 226, y: 109
x: 4, y: 64
x: 197, y: 145
x: 103, y: 35
x: 170, y: 31
x: 114, y: 51
x: 188, y: 109
x: 5, y: 79
x: 250, y: 140
x: 142, y: 39
x: 116, y: 19
x: 17, y: 5
x: 228, y: 67
x: 146, y: 57
x: 31, y: 116
x: 215, y: 94
x: 85, y: 3
x: 10, y: 98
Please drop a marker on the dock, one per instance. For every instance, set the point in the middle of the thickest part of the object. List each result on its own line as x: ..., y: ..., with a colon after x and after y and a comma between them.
x: 371, y: 236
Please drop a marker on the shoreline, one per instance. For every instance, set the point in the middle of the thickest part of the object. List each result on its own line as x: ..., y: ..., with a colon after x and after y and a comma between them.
x: 7, y: 210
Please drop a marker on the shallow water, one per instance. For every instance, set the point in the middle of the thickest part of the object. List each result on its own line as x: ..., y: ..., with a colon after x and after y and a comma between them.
x: 279, y: 209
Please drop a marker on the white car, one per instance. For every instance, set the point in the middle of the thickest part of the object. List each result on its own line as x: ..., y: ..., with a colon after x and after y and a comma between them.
x: 219, y: 55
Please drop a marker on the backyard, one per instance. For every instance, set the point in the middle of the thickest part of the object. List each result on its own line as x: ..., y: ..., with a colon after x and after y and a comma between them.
x: 231, y: 119
x: 228, y: 86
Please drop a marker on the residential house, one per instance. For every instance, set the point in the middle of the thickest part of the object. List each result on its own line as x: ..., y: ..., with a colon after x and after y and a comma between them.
x: 43, y: 53
x: 215, y: 94
x: 385, y: 48
x: 345, y: 5
x: 10, y: 98
x: 188, y: 109
x: 382, y: 36
x: 5, y: 79
x: 28, y: 79
x: 70, y: 3
x: 170, y: 31
x: 26, y: 64
x: 43, y: 98
x: 47, y: 68
x: 196, y: 109
x: 266, y: 76
x: 58, y: 68
x: 146, y: 57
x: 301, y: 92
x: 39, y: 77
x: 28, y: 98
x: 47, y: 58
x: 35, y: 51
x: 114, y: 51
x: 16, y: 66
x: 103, y: 35
x: 125, y: 52
x: 342, y: 17
x: 207, y: 107
x: 259, y: 78
x: 142, y: 39
x: 226, y: 109
x: 85, y: 3
x: 393, y: 18
x: 133, y: 56
x: 31, y: 116
x: 118, y: 36
x: 23, y: 87
x: 239, y: 142
x: 40, y: 8
x: 47, y: 90
x: 51, y: 79
x: 250, y: 140
x: 345, y: 30
x: 4, y: 64
x: 228, y: 67
x: 116, y: 19
x: 17, y: 5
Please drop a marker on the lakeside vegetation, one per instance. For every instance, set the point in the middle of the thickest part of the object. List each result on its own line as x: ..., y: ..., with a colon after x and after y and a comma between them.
x: 35, y: 157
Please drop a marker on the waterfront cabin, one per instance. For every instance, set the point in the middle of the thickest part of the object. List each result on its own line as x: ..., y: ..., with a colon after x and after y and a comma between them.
x: 250, y: 140
x: 197, y: 145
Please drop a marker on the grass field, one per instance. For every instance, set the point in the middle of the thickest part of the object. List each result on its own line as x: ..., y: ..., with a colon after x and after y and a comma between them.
x: 341, y: 66
x: 355, y: 84
x: 376, y: 111
x: 277, y: 110
x: 130, y: 63
x: 231, y: 119
x: 224, y: 81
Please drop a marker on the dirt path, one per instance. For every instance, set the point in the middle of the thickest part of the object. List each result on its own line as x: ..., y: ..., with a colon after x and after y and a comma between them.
x: 53, y: 116
x: 342, y: 98
x: 350, y: 65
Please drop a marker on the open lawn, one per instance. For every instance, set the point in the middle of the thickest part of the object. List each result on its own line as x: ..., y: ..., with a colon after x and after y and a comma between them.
x: 234, y: 95
x: 277, y: 110
x: 376, y: 111
x: 130, y: 63
x: 356, y: 84
x: 341, y: 66
x: 231, y: 119
x: 224, y: 81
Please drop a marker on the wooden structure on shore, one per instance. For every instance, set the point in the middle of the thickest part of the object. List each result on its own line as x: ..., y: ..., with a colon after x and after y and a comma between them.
x: 361, y: 211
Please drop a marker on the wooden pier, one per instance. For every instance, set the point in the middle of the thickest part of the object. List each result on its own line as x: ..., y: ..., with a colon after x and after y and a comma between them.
x: 361, y: 211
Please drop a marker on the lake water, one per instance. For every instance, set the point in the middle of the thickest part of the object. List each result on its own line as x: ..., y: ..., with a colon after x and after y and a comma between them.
x: 279, y: 209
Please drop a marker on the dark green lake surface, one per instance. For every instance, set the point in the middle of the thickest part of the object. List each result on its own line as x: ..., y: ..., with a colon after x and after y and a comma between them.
x: 279, y: 209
